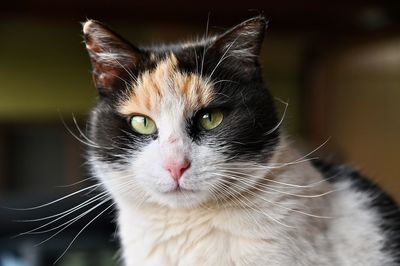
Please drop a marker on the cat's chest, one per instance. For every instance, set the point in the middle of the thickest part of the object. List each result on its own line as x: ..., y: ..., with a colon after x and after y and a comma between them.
x: 191, y: 238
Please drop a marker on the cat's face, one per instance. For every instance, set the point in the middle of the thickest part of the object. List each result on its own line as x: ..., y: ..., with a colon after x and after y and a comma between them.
x: 176, y: 124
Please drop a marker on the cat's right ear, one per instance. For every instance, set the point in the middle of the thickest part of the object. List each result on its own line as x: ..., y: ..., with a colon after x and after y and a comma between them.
x: 113, y: 59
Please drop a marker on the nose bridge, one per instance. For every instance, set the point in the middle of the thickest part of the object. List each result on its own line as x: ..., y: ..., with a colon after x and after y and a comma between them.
x: 173, y: 138
x: 174, y: 144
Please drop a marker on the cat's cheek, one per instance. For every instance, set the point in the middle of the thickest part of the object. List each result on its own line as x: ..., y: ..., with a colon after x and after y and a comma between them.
x: 117, y: 181
x: 149, y: 172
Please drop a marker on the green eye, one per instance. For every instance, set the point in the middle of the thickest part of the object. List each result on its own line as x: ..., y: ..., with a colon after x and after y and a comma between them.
x: 211, y: 119
x: 143, y: 125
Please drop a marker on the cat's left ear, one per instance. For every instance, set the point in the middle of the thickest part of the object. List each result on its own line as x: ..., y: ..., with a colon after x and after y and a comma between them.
x: 243, y: 42
x: 113, y: 59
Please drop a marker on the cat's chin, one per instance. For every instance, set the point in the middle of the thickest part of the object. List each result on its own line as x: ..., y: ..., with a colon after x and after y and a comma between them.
x: 181, y: 198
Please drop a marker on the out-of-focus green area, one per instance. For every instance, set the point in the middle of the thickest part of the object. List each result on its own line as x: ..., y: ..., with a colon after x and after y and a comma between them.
x: 43, y: 70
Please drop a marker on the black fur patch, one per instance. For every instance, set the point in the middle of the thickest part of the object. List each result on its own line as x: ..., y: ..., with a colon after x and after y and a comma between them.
x: 381, y: 202
x: 113, y: 137
x: 249, y: 111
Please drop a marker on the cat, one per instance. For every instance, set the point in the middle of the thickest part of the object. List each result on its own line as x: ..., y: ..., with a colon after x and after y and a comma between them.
x: 190, y: 147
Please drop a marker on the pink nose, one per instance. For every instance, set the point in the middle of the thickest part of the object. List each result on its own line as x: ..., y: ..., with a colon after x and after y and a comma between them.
x: 177, y: 169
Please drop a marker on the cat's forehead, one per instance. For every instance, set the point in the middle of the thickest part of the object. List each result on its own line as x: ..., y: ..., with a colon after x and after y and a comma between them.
x: 166, y: 86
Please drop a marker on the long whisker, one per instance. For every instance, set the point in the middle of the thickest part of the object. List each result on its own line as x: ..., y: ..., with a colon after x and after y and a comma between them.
x: 269, y: 180
x: 236, y: 200
x: 77, y: 183
x: 68, y: 223
x: 223, y: 58
x: 213, y: 193
x: 55, y: 201
x: 205, y: 45
x: 271, y: 188
x: 283, y: 192
x: 78, y: 138
x: 81, y: 132
x: 269, y: 166
x: 314, y: 150
x: 248, y: 190
x: 79, y: 206
x: 77, y: 235
x: 43, y: 226
x: 281, y: 120
x: 261, y: 211
x: 223, y: 80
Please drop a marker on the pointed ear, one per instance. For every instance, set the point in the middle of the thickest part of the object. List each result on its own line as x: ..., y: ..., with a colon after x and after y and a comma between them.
x: 113, y: 59
x: 243, y: 42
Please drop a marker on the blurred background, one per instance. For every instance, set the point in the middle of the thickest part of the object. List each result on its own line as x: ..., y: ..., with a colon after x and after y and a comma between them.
x: 337, y: 64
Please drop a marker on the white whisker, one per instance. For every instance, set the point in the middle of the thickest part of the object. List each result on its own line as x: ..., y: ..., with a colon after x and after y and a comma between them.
x: 79, y: 206
x: 73, y: 240
x: 205, y: 46
x: 78, y: 138
x: 55, y: 201
x: 261, y: 211
x: 77, y: 183
x: 248, y: 190
x: 81, y: 132
x: 32, y: 231
x: 281, y: 120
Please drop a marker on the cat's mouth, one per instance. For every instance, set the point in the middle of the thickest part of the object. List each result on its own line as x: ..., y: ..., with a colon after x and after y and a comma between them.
x: 179, y: 189
x: 181, y: 197
x: 183, y: 194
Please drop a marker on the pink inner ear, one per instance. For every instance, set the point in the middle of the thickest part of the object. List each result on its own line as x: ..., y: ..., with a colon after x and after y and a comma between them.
x: 90, y: 45
x: 105, y: 76
x: 105, y: 80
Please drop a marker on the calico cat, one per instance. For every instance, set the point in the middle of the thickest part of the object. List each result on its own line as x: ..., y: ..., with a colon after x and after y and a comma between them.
x: 189, y: 145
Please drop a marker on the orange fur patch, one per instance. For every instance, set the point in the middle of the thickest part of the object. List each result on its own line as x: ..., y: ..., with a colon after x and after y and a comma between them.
x: 166, y: 81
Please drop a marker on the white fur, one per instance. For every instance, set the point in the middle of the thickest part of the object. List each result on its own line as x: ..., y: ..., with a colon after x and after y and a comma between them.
x: 157, y: 233
x: 355, y: 229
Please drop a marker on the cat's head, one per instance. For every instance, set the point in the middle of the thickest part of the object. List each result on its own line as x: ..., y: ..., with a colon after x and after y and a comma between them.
x: 176, y: 124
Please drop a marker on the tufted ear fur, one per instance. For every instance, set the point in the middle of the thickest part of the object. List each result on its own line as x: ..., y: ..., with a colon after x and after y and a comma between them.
x: 113, y: 59
x: 243, y: 42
